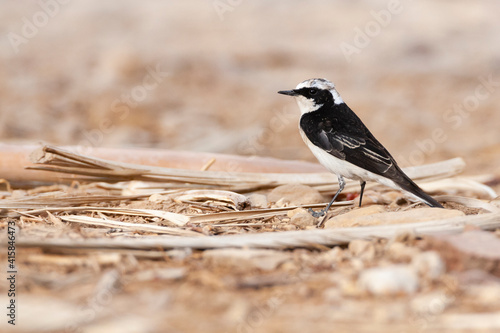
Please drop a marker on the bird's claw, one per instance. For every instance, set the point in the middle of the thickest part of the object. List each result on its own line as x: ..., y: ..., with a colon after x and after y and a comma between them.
x: 316, y: 214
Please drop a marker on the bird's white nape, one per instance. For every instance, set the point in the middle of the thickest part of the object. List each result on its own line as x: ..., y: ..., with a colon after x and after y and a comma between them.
x: 336, y: 96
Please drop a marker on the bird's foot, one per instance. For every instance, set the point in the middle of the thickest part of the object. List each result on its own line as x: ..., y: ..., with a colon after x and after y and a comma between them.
x: 317, y: 214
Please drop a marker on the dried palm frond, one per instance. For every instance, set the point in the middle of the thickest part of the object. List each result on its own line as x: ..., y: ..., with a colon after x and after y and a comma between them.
x: 56, y: 159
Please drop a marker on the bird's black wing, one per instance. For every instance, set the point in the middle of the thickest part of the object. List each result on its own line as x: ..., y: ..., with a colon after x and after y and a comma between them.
x: 342, y: 134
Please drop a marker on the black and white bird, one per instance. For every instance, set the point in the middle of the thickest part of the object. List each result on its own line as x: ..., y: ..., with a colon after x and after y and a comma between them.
x: 343, y: 144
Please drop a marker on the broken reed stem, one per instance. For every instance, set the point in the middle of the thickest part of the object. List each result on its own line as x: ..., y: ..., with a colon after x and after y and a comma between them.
x: 51, y: 158
x: 128, y: 226
x: 279, y: 240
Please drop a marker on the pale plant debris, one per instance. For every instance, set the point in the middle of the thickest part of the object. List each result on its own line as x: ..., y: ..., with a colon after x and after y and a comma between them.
x: 225, y: 198
x: 136, y: 202
x: 471, y: 203
x: 280, y: 240
x: 30, y: 202
x: 105, y: 222
x: 55, y: 159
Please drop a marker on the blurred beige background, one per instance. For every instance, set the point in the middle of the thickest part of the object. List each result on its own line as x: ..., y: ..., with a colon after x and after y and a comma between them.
x: 203, y: 75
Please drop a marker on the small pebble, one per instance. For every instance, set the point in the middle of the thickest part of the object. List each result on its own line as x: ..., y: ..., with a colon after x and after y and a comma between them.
x: 257, y: 200
x: 303, y: 220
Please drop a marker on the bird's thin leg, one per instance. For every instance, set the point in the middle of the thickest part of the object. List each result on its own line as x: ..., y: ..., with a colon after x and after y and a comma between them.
x: 362, y: 183
x: 323, y: 211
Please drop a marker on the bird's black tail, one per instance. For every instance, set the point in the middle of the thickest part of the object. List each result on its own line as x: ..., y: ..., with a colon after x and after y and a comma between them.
x: 410, y: 186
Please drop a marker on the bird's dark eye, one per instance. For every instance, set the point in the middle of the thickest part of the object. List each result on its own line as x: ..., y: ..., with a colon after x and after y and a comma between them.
x: 313, y: 91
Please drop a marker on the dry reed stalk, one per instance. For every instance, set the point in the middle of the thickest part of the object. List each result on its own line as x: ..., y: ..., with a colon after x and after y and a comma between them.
x: 179, y: 219
x: 31, y: 202
x: 59, y: 160
x: 279, y: 240
x: 14, y: 158
x: 104, y: 222
x: 470, y: 202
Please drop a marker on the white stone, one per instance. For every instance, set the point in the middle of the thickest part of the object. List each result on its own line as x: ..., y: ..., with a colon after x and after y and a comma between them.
x: 389, y: 280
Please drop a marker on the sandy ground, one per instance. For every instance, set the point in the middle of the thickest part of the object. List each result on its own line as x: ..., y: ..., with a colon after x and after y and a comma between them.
x: 424, y: 76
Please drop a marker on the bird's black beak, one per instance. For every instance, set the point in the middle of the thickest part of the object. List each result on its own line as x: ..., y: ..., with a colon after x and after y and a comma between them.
x: 288, y: 92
